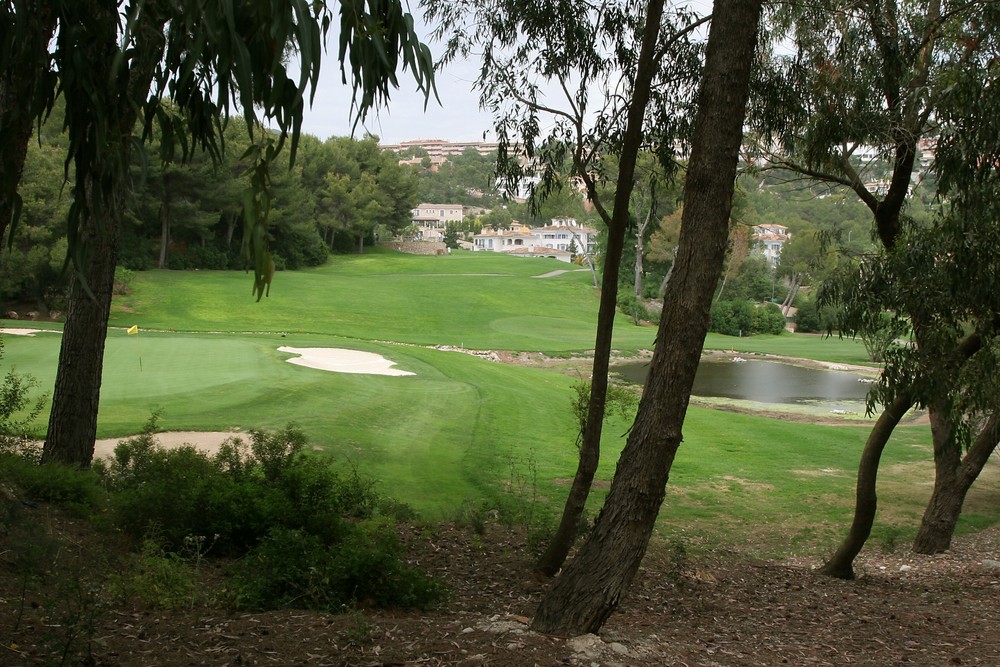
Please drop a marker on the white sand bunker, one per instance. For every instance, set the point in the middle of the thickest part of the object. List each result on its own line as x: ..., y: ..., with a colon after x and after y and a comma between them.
x: 209, y: 442
x: 25, y: 332
x: 339, y: 360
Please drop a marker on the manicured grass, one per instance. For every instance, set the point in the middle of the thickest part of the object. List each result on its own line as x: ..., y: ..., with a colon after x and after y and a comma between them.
x: 463, y: 427
x: 447, y: 433
x: 473, y: 300
x: 800, y: 346
x: 468, y: 300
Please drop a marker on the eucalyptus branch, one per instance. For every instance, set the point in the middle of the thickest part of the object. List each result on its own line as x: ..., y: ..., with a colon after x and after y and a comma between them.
x: 676, y: 37
x: 569, y: 97
x: 515, y: 93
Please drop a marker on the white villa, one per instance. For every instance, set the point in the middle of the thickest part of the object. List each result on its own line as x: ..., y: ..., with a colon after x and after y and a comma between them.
x: 431, y: 219
x: 770, y: 239
x: 561, y: 239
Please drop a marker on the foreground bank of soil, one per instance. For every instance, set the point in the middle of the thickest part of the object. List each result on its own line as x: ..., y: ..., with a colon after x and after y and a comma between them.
x: 699, y: 609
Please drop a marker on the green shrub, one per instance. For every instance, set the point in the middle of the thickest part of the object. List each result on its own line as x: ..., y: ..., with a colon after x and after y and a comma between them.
x: 293, y: 568
x: 731, y: 318
x: 18, y: 413
x: 158, y: 578
x: 293, y: 512
x: 631, y: 306
x: 813, y: 316
x: 767, y: 319
x: 75, y: 489
x: 238, y: 495
x: 741, y: 318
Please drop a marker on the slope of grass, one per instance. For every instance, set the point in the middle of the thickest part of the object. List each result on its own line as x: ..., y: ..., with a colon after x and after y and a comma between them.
x: 801, y: 346
x: 471, y: 300
x: 462, y: 427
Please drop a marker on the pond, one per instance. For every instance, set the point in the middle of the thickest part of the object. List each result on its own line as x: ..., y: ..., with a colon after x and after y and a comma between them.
x: 766, y: 382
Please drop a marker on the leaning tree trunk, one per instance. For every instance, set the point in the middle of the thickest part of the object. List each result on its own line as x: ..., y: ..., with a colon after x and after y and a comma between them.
x: 640, y: 248
x: 590, y: 446
x: 952, y: 481
x: 841, y: 564
x: 590, y: 587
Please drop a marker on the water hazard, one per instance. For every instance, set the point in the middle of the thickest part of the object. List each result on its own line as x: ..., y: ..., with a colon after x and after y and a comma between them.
x: 766, y: 382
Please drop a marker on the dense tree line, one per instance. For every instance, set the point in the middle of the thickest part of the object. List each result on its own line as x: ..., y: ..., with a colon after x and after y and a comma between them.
x: 341, y: 195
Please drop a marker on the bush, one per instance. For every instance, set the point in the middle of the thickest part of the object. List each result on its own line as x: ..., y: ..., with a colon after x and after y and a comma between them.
x: 123, y: 280
x: 767, y: 319
x: 731, y: 318
x: 292, y: 514
x: 813, y: 318
x: 237, y: 496
x: 294, y: 568
x: 631, y: 306
x: 18, y: 413
x: 158, y: 578
x: 75, y: 489
x: 741, y: 318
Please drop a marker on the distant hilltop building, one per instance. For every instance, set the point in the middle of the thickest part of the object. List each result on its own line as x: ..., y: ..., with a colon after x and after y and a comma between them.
x: 439, y: 149
x: 769, y: 239
x: 561, y: 239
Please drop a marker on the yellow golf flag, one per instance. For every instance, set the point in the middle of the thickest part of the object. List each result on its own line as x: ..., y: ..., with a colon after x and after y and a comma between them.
x: 133, y: 330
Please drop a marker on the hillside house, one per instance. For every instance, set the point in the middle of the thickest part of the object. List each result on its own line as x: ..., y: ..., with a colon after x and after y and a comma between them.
x: 560, y: 239
x: 432, y: 219
x: 769, y: 239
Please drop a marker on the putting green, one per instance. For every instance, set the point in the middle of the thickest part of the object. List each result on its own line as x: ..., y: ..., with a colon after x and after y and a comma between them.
x: 448, y: 432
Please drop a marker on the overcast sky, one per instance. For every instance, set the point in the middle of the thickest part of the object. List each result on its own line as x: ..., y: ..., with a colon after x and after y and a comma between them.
x: 456, y: 118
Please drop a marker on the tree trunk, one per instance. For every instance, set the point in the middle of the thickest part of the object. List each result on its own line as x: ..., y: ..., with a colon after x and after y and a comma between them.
x: 22, y: 81
x: 793, y: 290
x: 590, y: 446
x: 590, y: 587
x: 164, y: 232
x: 841, y: 564
x: 76, y: 397
x: 639, y: 250
x: 361, y: 244
x: 952, y: 481
x: 666, y: 279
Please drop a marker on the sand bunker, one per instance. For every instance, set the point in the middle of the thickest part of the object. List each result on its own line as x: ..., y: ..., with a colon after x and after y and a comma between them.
x: 206, y: 441
x: 342, y: 361
x: 25, y: 332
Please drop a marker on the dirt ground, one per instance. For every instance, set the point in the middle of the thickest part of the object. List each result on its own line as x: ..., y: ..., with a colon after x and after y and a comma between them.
x: 706, y: 610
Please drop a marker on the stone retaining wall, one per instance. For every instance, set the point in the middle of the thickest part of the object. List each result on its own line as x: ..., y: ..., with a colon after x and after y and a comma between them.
x: 417, y: 247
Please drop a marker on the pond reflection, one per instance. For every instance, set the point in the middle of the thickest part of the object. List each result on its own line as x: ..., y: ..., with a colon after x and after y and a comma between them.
x: 765, y: 381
